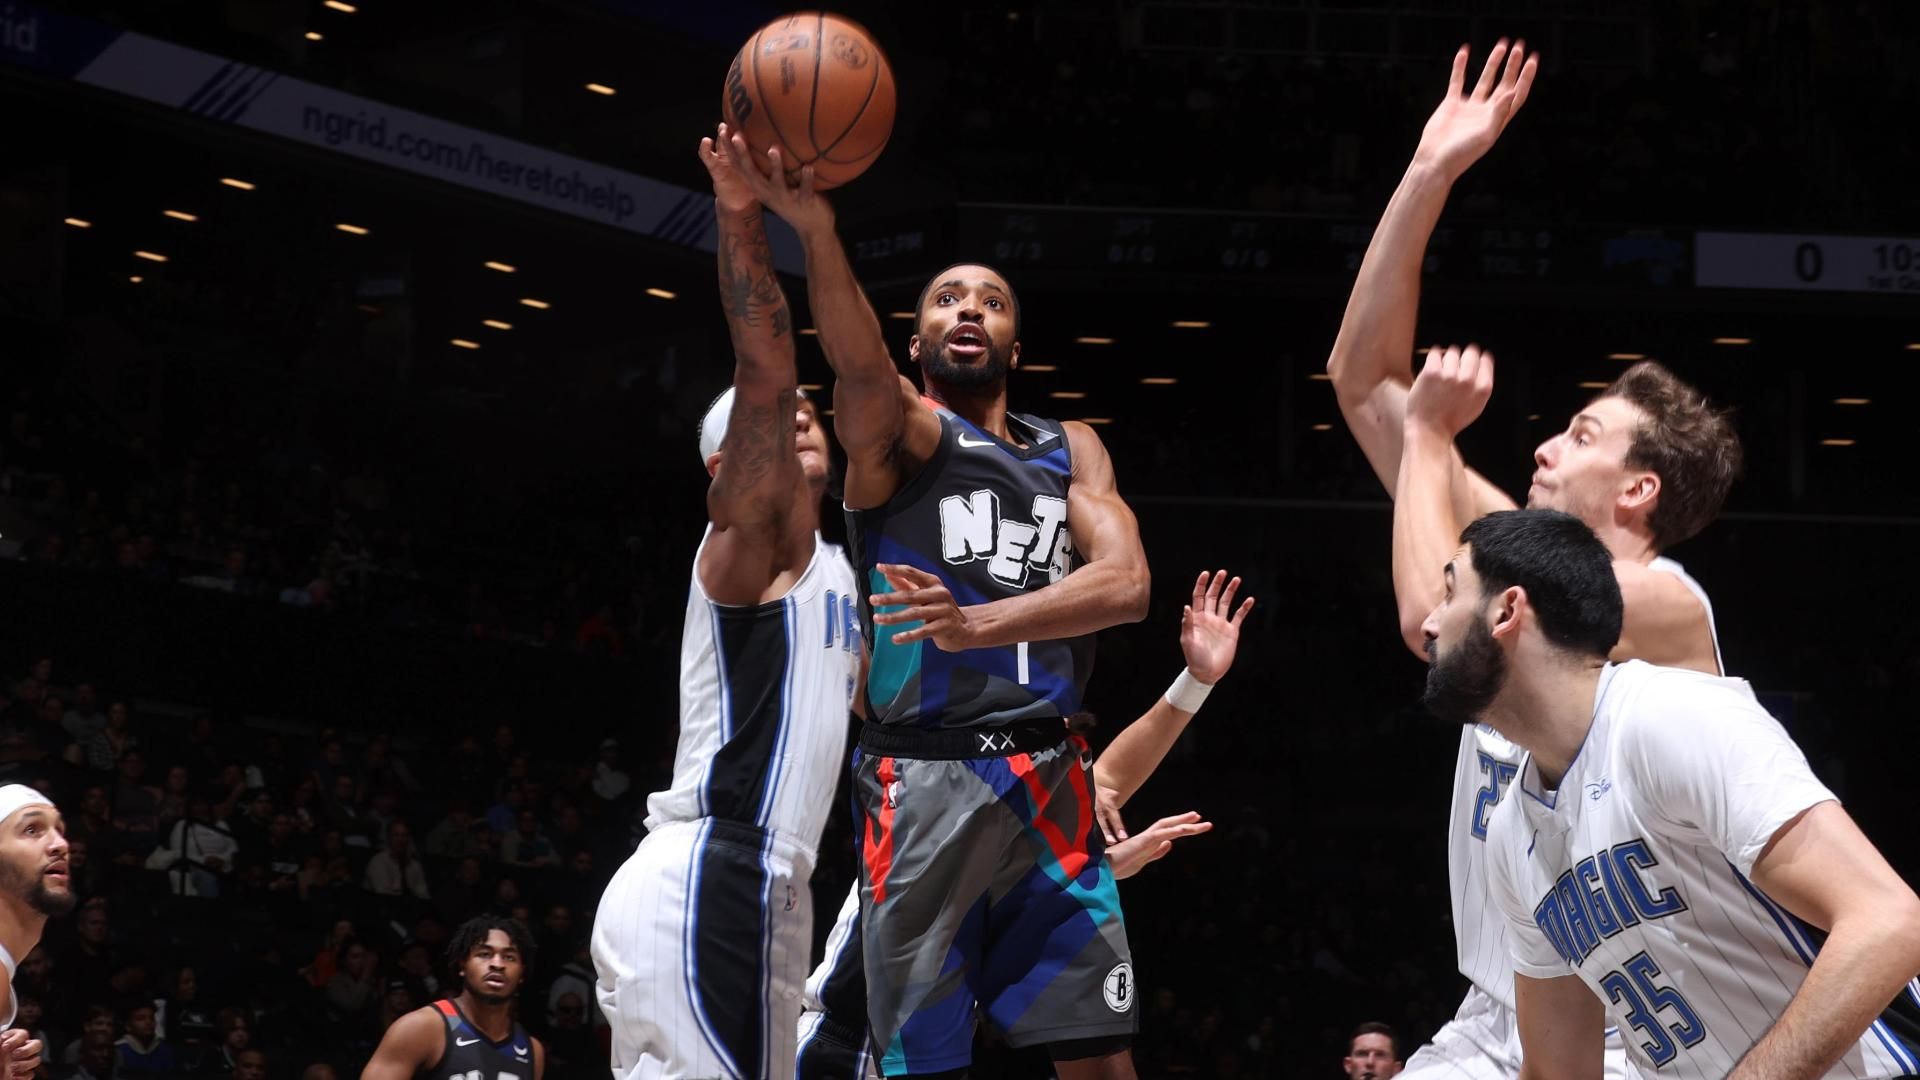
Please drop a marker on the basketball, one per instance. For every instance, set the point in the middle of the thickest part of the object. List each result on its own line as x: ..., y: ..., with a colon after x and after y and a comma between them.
x: 816, y: 86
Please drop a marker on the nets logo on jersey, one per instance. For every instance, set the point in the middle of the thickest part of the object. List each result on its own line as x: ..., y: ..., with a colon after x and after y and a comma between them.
x: 972, y: 529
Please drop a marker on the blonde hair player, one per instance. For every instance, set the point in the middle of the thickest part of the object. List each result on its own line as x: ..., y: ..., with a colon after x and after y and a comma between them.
x: 1646, y: 464
x: 33, y: 887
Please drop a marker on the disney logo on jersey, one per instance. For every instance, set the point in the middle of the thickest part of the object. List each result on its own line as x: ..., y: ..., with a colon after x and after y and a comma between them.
x: 972, y: 528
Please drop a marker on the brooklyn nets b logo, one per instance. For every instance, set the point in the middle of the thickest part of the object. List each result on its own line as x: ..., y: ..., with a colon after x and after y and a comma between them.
x: 971, y: 528
x: 1119, y: 988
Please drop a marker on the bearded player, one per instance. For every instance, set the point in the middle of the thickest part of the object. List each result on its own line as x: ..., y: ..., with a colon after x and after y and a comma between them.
x: 1670, y: 864
x: 34, y: 886
x: 473, y: 1034
x: 1646, y: 464
x: 993, y: 544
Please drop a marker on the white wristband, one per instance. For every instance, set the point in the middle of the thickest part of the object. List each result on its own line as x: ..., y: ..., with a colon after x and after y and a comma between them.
x: 1188, y: 693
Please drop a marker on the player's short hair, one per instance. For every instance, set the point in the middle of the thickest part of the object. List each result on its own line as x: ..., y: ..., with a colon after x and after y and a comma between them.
x: 1565, y: 569
x: 1687, y: 442
x: 1013, y: 299
x: 473, y: 933
x: 1375, y: 1027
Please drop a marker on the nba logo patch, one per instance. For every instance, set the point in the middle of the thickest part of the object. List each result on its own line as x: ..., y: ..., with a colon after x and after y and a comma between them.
x: 1118, y: 987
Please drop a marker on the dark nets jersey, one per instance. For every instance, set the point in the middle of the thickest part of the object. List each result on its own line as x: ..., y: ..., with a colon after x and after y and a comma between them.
x: 989, y: 518
x: 470, y: 1055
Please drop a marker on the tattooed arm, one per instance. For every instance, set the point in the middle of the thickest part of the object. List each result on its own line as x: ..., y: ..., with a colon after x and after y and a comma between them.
x: 757, y: 483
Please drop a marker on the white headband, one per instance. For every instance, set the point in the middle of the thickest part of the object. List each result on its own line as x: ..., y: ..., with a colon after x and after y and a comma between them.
x: 713, y: 425
x: 17, y: 797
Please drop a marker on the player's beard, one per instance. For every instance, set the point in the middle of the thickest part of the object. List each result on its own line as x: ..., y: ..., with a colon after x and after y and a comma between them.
x: 478, y: 988
x: 32, y: 888
x: 989, y: 370
x: 1462, y: 683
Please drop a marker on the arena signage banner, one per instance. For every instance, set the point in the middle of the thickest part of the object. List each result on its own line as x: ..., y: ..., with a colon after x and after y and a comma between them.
x: 227, y: 92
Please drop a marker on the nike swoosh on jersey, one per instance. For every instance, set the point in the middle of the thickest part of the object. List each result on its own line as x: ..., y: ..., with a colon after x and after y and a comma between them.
x: 964, y: 442
x: 457, y: 1041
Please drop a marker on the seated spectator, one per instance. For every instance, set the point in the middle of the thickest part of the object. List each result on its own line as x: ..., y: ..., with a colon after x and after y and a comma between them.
x: 197, y: 854
x: 453, y: 837
x: 142, y: 1051
x: 84, y: 719
x: 396, y: 869
x: 250, y: 1064
x: 106, y: 746
x: 97, y: 1024
x: 355, y: 982
x: 527, y: 845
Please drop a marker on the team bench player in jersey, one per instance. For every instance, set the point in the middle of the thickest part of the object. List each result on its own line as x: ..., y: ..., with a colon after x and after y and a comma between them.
x: 473, y: 1035
x: 1646, y: 465
x: 1669, y: 862
x: 993, y: 545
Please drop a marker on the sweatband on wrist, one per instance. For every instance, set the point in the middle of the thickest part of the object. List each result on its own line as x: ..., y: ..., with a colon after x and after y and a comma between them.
x: 1188, y: 693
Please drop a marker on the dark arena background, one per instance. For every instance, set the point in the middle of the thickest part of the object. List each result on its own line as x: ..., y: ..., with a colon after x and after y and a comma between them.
x: 358, y: 465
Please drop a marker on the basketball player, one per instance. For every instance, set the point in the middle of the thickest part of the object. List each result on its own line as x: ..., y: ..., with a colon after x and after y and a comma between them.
x: 833, y: 1027
x: 1646, y: 464
x: 702, y: 937
x: 34, y: 885
x: 968, y: 784
x: 472, y: 1036
x: 1671, y: 864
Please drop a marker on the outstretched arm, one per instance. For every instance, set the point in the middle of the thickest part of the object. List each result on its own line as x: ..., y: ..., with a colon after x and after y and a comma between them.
x: 1452, y: 389
x: 877, y: 416
x: 1371, y: 362
x: 1108, y: 588
x: 1209, y: 639
x: 1562, y: 1028
x: 755, y: 486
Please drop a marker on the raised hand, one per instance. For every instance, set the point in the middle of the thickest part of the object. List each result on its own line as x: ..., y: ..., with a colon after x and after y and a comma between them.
x: 730, y: 188
x: 1210, y: 627
x: 1153, y: 842
x: 928, y: 602
x: 1466, y: 124
x: 797, y: 203
x: 1452, y: 388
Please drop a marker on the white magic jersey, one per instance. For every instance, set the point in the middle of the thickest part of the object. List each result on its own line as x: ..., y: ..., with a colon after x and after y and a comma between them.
x: 1635, y: 876
x: 765, y: 694
x: 1481, y: 774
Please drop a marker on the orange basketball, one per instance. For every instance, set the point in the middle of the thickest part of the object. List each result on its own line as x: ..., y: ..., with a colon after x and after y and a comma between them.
x: 816, y: 86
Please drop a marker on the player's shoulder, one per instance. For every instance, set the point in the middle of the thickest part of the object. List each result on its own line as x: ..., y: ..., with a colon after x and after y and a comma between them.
x: 1664, y: 707
x: 419, y: 1034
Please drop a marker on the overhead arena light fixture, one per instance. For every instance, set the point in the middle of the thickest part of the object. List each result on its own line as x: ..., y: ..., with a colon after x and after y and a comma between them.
x: 504, y: 268
x: 315, y: 35
x: 1323, y: 427
x: 243, y: 185
x: 79, y: 223
x: 1594, y: 384
x: 538, y: 305
x: 808, y: 331
x: 1836, y: 442
x: 1626, y: 356
x: 1733, y: 341
x: 1191, y: 324
x: 1040, y: 368
x: 1093, y: 341
x: 150, y: 256
x: 1068, y: 395
x: 899, y: 314
x: 1096, y: 419
x: 1158, y: 380
x: 181, y: 215
x: 602, y: 89
x: 663, y: 294
x: 496, y: 324
x: 341, y: 6
x: 1852, y: 401
x: 356, y: 230
x: 465, y: 344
